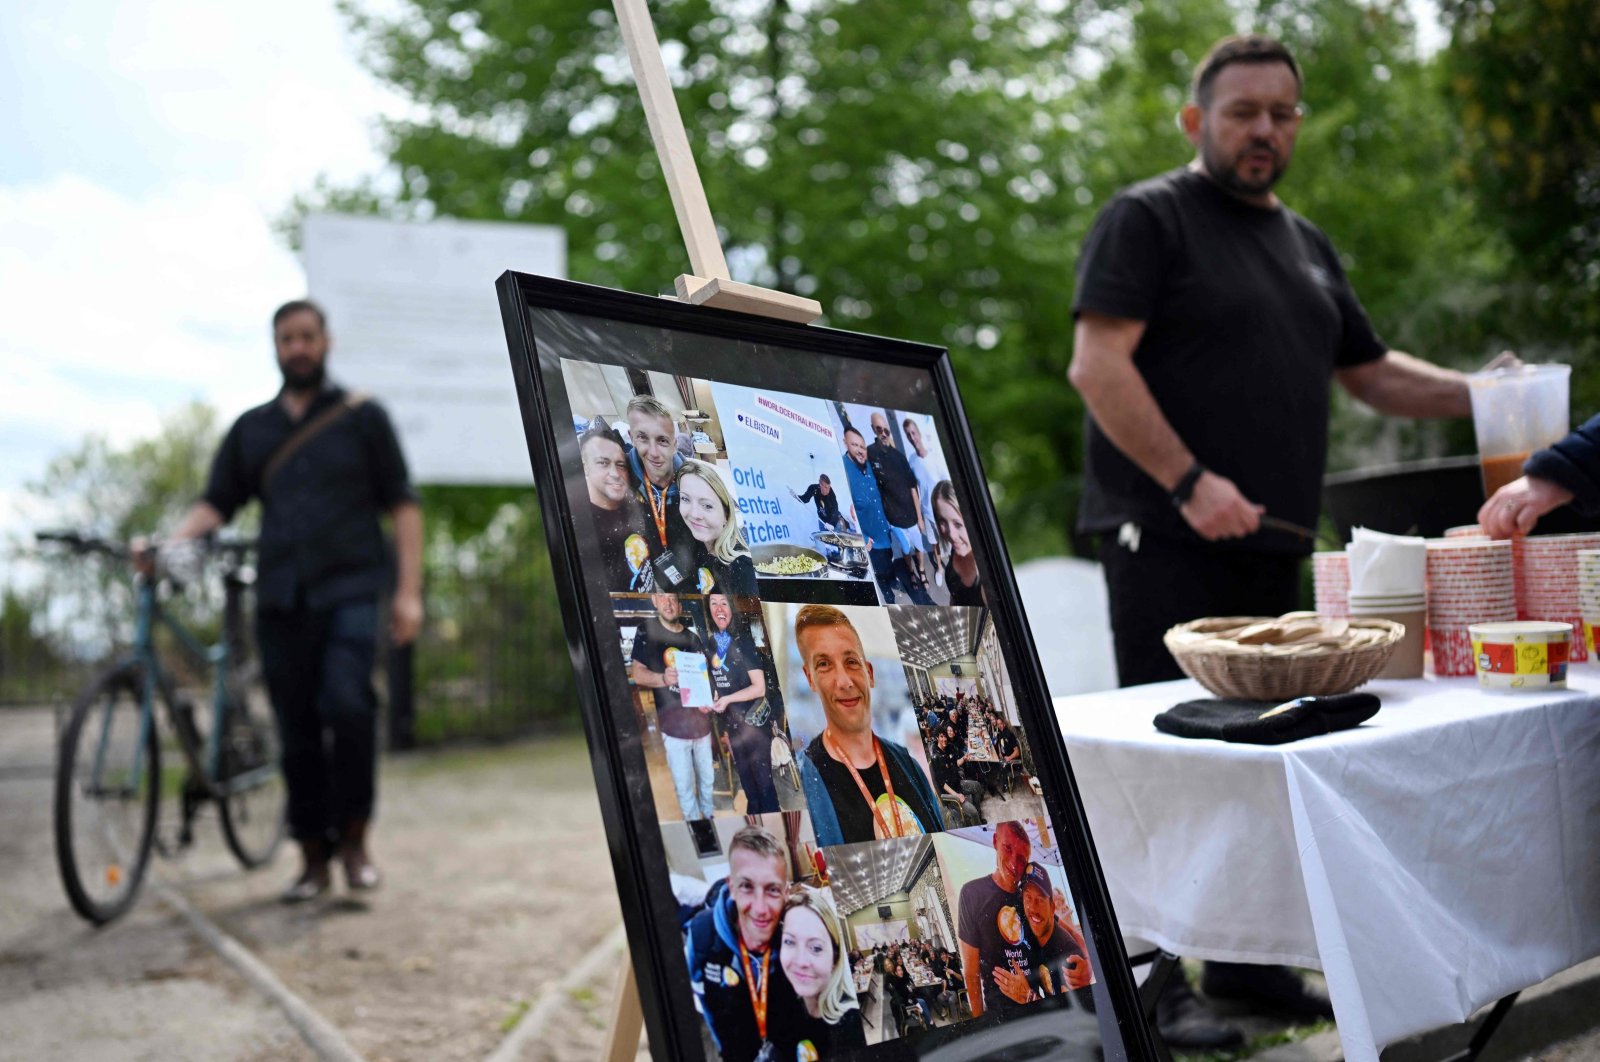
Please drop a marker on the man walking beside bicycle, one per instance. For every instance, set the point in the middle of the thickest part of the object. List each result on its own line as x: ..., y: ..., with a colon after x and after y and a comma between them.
x: 326, y: 465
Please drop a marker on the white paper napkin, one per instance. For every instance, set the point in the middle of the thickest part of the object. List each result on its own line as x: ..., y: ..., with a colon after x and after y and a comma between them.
x: 1387, y: 564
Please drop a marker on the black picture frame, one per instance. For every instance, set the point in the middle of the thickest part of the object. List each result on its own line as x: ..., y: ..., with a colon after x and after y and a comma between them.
x: 547, y: 320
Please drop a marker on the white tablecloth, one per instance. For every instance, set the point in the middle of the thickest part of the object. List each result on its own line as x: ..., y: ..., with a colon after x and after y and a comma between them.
x: 1441, y: 856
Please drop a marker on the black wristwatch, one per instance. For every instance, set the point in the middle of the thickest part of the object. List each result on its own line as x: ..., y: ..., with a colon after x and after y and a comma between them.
x: 1185, y: 487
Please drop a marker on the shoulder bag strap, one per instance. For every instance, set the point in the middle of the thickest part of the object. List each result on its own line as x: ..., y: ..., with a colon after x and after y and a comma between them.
x: 308, y: 431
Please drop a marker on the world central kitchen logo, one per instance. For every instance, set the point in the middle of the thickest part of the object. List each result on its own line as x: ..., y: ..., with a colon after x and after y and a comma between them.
x: 759, y: 426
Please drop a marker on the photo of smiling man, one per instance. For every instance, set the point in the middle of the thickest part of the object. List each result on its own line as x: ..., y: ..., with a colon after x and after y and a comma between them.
x: 734, y: 970
x: 618, y: 518
x: 859, y: 785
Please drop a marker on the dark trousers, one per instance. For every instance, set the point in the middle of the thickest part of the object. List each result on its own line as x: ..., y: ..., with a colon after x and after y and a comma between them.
x: 318, y: 668
x: 889, y: 570
x: 1168, y: 581
x: 752, y: 758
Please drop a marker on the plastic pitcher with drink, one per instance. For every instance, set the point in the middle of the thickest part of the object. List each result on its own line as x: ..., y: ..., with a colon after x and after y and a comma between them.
x: 1516, y: 411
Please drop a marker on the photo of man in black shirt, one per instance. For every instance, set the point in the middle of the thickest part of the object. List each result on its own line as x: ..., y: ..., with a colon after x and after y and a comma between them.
x: 685, y: 730
x: 618, y: 517
x: 994, y: 951
x: 902, y: 506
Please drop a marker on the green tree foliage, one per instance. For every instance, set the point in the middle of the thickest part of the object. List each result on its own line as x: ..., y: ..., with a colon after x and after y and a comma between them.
x: 929, y: 170
x: 1525, y: 81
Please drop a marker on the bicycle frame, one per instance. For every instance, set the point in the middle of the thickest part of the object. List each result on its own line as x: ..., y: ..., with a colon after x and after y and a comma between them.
x: 205, y: 763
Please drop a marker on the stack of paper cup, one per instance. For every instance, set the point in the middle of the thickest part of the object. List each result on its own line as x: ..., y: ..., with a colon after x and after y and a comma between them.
x: 1548, y: 583
x: 1589, y: 599
x: 1469, y: 581
x: 1408, y: 610
x: 1388, y: 580
x: 1330, y: 578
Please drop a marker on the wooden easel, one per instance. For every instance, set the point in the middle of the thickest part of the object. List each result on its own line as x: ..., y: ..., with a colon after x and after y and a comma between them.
x: 708, y: 285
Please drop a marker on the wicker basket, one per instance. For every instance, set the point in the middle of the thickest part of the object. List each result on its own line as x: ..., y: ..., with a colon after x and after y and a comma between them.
x: 1257, y: 673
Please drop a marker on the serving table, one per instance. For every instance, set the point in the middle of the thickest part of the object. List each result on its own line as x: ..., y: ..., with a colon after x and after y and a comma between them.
x: 1438, y: 858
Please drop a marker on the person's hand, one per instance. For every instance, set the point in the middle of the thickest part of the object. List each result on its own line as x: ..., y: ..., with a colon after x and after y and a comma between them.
x: 1517, y: 506
x: 1013, y: 984
x: 719, y: 705
x: 142, y: 554
x: 1217, y: 509
x: 1078, y: 972
x: 669, y: 677
x: 405, y: 618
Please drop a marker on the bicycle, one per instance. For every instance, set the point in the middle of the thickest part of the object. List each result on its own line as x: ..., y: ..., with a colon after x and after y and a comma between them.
x: 109, y: 780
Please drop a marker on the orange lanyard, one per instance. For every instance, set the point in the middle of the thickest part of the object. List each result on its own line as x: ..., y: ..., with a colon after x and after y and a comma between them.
x: 658, y: 512
x: 758, y: 1003
x: 837, y: 753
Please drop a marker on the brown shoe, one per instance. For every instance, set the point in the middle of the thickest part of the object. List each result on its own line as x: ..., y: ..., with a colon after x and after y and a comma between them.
x: 359, y: 873
x: 315, y: 877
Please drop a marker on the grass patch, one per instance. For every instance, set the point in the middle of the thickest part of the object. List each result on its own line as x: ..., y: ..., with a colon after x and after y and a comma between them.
x: 519, y: 1009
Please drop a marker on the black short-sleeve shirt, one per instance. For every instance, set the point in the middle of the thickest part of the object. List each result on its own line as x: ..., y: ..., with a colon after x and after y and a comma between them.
x: 990, y: 919
x: 320, y: 540
x: 651, y: 644
x: 856, y: 820
x: 896, y: 481
x: 1247, y: 314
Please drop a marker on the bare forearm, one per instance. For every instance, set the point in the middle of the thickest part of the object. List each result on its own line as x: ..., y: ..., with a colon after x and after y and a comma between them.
x: 1121, y: 403
x: 407, y: 519
x: 201, y: 519
x: 1405, y: 386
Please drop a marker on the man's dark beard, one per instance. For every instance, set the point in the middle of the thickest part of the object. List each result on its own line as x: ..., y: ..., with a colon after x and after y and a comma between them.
x: 306, y: 380
x: 1227, y: 176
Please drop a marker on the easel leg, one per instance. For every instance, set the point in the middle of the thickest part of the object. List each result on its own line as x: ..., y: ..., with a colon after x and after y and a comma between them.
x: 627, y: 1019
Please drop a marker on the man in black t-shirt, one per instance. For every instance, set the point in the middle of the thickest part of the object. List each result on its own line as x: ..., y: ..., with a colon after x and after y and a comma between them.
x: 952, y: 785
x: 1211, y: 321
x: 989, y: 924
x: 618, y: 518
x: 826, y: 499
x: 747, y: 707
x: 685, y: 729
x: 902, y: 505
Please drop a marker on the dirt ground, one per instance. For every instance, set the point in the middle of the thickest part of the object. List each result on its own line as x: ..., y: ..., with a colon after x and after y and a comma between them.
x: 499, y: 883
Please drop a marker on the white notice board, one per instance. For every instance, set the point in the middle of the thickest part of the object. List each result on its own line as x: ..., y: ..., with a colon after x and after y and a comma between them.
x: 415, y: 322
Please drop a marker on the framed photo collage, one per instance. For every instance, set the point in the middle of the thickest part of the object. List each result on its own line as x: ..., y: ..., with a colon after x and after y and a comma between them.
x: 840, y: 812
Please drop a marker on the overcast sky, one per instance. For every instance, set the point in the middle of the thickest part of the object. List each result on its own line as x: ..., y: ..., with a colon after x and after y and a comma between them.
x: 148, y: 146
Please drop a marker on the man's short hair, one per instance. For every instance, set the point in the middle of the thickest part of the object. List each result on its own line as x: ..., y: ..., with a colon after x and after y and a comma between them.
x: 815, y: 617
x: 755, y: 839
x: 648, y: 404
x: 1247, y: 48
x: 294, y: 306
x: 1015, y: 827
x: 599, y: 431
x: 852, y: 431
x: 824, y: 479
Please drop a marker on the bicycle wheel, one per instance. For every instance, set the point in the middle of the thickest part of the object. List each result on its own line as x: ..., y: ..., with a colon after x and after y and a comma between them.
x: 254, y: 798
x: 108, y: 784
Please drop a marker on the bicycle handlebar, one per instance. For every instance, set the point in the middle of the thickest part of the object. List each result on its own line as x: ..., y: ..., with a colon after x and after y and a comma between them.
x: 79, y: 542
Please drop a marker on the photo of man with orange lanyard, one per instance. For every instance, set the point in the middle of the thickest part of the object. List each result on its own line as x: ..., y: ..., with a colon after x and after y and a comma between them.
x: 858, y: 786
x: 653, y: 461
x: 738, y: 983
